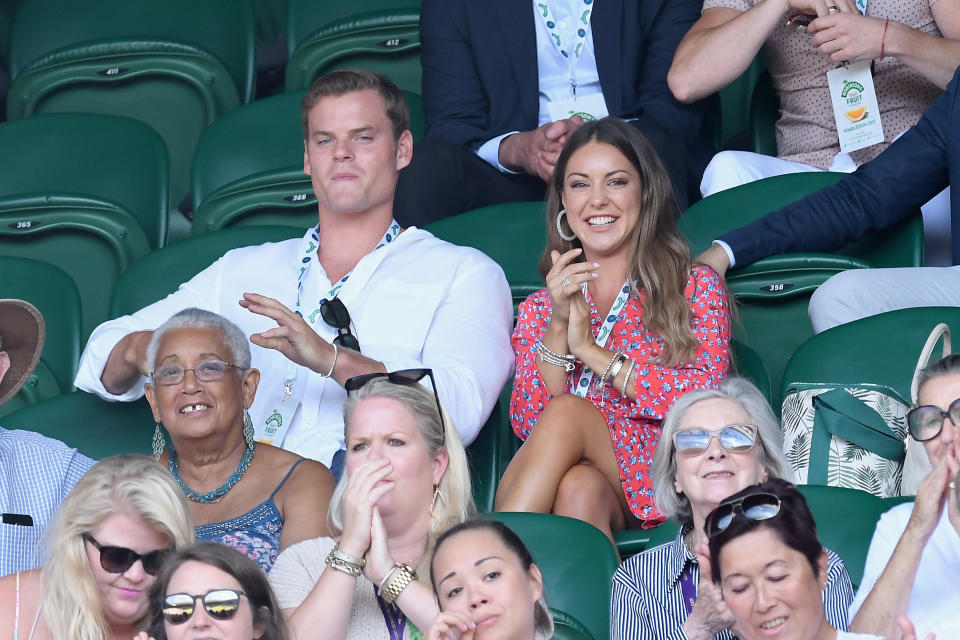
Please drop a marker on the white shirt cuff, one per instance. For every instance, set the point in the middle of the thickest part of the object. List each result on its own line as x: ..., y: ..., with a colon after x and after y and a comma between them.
x: 726, y: 248
x: 490, y: 152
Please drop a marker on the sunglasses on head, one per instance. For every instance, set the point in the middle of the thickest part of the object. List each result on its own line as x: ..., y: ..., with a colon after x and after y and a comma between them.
x: 734, y: 438
x: 757, y: 506
x: 335, y: 314
x: 403, y: 376
x: 926, y: 421
x: 119, y: 559
x: 220, y: 604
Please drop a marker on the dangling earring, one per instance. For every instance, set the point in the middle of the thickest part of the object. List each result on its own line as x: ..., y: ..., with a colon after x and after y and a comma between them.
x: 158, y: 442
x: 568, y: 238
x: 248, y: 429
x: 436, y: 496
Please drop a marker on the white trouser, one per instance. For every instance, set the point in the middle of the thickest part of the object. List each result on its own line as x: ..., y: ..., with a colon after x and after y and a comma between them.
x: 857, y: 293
x: 730, y: 169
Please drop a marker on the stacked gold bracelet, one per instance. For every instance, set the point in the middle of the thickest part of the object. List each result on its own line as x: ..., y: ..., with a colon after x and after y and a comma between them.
x: 403, y: 575
x: 342, y: 561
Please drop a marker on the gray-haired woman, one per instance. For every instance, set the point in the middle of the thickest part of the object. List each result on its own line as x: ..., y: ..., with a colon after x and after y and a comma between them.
x: 715, y: 442
x: 249, y: 495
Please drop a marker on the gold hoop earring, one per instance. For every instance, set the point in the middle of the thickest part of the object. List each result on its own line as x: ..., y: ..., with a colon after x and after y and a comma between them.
x: 437, y: 496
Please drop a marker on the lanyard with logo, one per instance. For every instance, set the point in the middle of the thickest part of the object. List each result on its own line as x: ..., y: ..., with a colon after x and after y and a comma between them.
x: 582, y: 387
x: 570, y: 53
x: 277, y: 423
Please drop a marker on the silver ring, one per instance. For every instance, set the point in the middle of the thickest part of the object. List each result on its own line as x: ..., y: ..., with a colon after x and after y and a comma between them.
x: 565, y: 282
x: 832, y: 8
x: 952, y: 484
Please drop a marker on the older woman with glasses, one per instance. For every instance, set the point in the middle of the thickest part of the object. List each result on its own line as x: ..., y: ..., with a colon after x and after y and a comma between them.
x: 104, y: 547
x: 914, y: 557
x: 249, y: 495
x: 405, y: 481
x: 771, y: 569
x: 715, y: 442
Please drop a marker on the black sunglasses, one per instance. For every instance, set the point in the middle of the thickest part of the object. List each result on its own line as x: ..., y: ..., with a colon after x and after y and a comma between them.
x: 119, y: 559
x: 403, y: 376
x: 926, y: 421
x: 335, y: 314
x: 757, y: 506
x: 220, y: 604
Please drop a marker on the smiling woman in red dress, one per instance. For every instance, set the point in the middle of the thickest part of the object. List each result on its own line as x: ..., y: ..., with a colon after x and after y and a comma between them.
x: 625, y: 326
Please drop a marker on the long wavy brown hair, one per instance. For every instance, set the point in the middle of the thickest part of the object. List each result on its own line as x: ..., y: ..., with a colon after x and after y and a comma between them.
x: 660, y: 259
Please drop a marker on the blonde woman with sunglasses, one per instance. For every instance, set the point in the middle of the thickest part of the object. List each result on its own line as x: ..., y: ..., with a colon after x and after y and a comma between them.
x: 715, y: 442
x: 104, y: 549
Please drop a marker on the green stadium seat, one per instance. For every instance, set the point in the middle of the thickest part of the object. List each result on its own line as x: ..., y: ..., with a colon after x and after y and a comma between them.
x: 55, y: 295
x: 512, y: 234
x: 83, y: 192
x: 248, y: 169
x: 271, y: 18
x: 764, y: 113
x: 735, y: 101
x: 379, y: 35
x: 161, y: 272
x: 97, y: 428
x: 492, y: 451
x: 174, y: 64
x: 577, y: 562
x: 774, y: 292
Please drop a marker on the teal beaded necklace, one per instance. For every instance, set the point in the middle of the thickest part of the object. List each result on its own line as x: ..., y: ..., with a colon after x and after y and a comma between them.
x: 217, y: 494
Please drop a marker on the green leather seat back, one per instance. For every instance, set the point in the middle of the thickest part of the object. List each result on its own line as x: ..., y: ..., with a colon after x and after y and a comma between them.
x: 577, y: 562
x: 774, y: 292
x: 492, y: 451
x: 512, y: 234
x: 97, y: 428
x: 54, y: 294
x: 159, y: 274
x: 735, y: 101
x: 379, y: 35
x: 173, y: 64
x: 248, y: 169
x: 881, y: 350
x: 764, y: 113
x: 78, y: 193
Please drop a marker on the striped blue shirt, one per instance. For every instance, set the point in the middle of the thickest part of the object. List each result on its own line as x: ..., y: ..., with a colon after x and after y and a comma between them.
x: 646, y: 602
x: 36, y: 473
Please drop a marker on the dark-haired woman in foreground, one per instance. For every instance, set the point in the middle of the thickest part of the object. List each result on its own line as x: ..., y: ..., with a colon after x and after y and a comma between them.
x: 625, y: 326
x: 770, y: 566
x: 487, y: 585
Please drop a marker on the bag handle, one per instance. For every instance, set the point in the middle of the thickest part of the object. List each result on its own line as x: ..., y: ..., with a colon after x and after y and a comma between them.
x: 927, y: 352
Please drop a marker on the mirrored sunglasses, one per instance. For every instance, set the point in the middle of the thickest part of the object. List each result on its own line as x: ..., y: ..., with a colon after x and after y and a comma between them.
x: 220, y: 604
x: 758, y: 506
x: 208, y: 371
x: 926, y: 421
x: 119, y: 559
x: 734, y: 438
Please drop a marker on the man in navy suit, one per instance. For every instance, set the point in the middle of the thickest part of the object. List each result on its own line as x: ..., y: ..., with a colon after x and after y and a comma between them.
x: 921, y: 163
x: 505, y: 82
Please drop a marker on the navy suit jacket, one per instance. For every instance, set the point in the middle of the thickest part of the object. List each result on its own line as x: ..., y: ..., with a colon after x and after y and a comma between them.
x: 889, y: 188
x: 480, y: 76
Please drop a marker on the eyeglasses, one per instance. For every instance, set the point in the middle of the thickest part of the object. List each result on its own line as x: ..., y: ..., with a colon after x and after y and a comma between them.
x: 403, y: 376
x: 220, y: 604
x: 119, y: 559
x: 734, y: 438
x: 208, y: 371
x: 757, y: 506
x: 335, y: 314
x: 926, y: 421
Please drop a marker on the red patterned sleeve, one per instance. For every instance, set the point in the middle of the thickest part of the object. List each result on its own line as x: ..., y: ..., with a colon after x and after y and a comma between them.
x: 530, y: 394
x: 657, y: 386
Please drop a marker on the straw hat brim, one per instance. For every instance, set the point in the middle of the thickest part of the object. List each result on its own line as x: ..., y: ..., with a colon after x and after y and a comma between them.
x: 22, y: 333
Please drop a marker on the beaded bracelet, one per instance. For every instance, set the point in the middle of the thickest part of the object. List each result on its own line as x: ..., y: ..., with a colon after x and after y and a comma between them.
x: 404, y: 576
x: 626, y: 379
x: 564, y: 361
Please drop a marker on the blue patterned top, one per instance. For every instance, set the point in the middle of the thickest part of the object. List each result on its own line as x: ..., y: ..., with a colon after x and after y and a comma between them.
x: 255, y: 533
